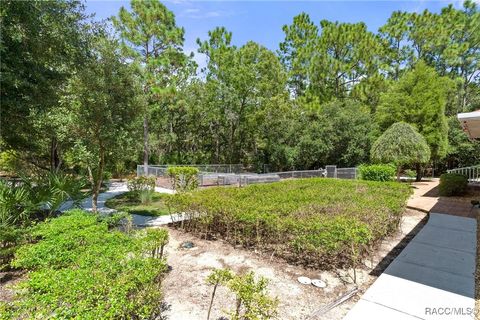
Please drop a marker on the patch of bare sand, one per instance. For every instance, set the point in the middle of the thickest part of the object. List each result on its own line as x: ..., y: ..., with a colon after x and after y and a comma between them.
x: 188, y: 295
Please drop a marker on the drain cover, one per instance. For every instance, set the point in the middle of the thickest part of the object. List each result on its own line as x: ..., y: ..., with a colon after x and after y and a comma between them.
x: 304, y: 280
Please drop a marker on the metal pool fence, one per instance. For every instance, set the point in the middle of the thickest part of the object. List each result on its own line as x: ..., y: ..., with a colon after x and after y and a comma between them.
x: 229, y: 174
x: 161, y: 170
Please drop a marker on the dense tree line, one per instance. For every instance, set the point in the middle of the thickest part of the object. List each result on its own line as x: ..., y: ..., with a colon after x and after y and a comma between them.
x: 94, y: 97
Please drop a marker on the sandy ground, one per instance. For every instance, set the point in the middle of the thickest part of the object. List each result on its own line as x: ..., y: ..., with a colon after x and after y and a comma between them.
x: 188, y: 295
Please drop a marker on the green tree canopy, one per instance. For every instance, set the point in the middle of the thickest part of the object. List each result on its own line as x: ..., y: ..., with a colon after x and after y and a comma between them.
x: 101, y: 101
x: 419, y: 98
x: 400, y: 144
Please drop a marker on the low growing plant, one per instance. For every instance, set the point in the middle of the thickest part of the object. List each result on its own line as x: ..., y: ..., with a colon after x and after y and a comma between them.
x: 79, y: 268
x: 183, y: 179
x: 313, y: 222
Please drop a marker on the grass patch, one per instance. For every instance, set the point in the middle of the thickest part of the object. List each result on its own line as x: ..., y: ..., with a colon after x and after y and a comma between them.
x: 314, y: 222
x: 130, y: 202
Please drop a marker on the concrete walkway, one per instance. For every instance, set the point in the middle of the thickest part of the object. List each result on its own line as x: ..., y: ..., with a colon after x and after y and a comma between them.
x: 117, y: 188
x: 432, y: 278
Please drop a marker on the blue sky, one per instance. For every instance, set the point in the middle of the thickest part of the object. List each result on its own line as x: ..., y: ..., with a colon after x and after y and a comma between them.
x: 262, y: 21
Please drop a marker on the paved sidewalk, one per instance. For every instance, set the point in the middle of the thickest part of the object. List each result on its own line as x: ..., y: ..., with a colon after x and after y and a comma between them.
x: 117, y: 188
x: 425, y: 198
x: 436, y: 270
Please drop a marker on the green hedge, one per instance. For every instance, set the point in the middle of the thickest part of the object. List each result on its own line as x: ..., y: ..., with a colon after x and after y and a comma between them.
x: 377, y: 172
x: 452, y: 184
x: 183, y: 178
x: 313, y: 222
x: 80, y: 269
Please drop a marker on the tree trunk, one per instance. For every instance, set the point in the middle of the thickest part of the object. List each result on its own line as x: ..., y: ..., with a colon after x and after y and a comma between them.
x: 418, y: 169
x: 211, y: 301
x: 399, y: 169
x: 54, y: 157
x: 145, y: 144
x: 98, y: 179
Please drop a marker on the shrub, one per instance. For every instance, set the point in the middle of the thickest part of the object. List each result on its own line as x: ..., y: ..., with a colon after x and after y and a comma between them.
x: 183, y: 179
x: 146, y: 196
x: 313, y: 222
x: 141, y: 183
x: 81, y: 269
x: 452, y: 184
x: 10, y: 238
x: 252, y: 299
x: 377, y: 172
x: 19, y: 202
x: 16, y: 204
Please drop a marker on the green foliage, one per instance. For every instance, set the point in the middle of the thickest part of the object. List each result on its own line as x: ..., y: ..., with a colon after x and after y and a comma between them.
x: 313, y: 222
x: 252, y: 299
x: 323, y: 136
x: 377, y: 172
x: 141, y: 183
x: 10, y: 238
x: 154, y: 241
x: 19, y: 202
x: 102, y: 102
x: 419, y: 98
x: 16, y: 204
x: 400, y: 144
x: 80, y: 268
x: 10, y: 163
x: 452, y: 184
x: 32, y: 75
x: 183, y: 179
x: 131, y: 202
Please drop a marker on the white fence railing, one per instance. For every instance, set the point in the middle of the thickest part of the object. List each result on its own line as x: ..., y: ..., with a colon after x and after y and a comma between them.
x: 472, y: 173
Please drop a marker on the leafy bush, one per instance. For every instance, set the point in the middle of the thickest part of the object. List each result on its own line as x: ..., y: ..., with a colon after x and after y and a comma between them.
x: 183, y: 179
x: 313, y: 222
x: 81, y: 269
x: 252, y: 300
x: 377, y: 172
x: 141, y: 183
x: 20, y: 201
x: 16, y: 204
x: 10, y: 238
x: 452, y: 184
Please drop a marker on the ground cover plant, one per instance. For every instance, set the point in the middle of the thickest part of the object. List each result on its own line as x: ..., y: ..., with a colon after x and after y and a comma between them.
x: 135, y: 203
x: 314, y: 222
x: 78, y: 267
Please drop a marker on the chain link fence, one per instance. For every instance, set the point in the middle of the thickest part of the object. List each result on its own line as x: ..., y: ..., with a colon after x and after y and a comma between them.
x: 234, y: 174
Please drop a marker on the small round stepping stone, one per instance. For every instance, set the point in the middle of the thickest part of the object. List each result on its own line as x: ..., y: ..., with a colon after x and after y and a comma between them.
x: 319, y: 283
x: 304, y: 280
